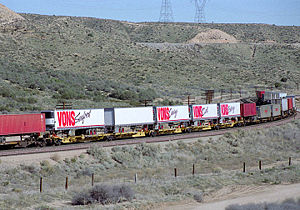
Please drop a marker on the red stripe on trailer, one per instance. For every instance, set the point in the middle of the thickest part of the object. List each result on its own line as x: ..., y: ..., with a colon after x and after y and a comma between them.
x: 89, y: 126
x: 22, y: 124
x: 172, y: 120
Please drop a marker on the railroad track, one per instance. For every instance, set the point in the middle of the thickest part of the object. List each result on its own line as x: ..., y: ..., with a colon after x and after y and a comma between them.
x: 166, y: 138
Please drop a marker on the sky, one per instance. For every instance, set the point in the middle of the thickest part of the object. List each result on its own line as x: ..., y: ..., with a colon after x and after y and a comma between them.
x: 278, y: 12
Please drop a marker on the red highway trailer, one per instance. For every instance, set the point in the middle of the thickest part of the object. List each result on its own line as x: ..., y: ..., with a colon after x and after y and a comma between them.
x: 248, y: 109
x: 22, y: 124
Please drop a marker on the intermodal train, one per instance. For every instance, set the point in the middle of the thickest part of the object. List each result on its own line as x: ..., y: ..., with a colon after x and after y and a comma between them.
x: 54, y: 127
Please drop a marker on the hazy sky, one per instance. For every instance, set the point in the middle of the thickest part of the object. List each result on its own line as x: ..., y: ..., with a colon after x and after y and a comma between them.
x: 279, y: 12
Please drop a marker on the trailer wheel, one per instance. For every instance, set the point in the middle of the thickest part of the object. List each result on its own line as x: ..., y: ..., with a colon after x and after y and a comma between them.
x: 189, y: 130
x: 57, y: 142
x: 153, y: 134
x: 109, y: 138
x: 42, y: 143
x: 2, y: 140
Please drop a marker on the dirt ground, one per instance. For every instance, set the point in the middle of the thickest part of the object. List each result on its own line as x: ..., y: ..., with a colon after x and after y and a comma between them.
x: 37, y: 158
x: 240, y: 195
x: 218, y: 200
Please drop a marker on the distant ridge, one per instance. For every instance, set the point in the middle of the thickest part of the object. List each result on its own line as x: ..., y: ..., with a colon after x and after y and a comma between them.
x: 8, y: 16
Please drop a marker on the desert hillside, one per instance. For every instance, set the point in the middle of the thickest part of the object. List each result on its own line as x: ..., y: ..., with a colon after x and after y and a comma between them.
x: 103, y: 63
x: 8, y: 16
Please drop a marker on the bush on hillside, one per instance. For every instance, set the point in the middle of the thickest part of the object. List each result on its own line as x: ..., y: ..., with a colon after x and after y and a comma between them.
x: 104, y: 194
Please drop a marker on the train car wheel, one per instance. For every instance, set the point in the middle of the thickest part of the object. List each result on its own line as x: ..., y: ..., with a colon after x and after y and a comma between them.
x: 42, y: 143
x: 153, y: 134
x: 57, y: 142
x: 109, y: 138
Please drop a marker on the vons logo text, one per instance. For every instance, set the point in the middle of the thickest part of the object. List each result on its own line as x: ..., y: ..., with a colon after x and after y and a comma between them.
x: 80, y: 118
x: 66, y: 118
x: 166, y: 113
x: 226, y: 109
x: 200, y: 111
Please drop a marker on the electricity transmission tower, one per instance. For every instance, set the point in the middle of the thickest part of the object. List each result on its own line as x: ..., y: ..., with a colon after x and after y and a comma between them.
x: 166, y: 13
x: 200, y: 17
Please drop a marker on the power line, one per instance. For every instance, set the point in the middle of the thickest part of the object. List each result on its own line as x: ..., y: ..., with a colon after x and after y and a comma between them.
x: 166, y: 13
x: 200, y: 16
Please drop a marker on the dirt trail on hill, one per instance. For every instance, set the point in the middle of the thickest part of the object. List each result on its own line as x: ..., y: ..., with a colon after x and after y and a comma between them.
x: 243, y: 195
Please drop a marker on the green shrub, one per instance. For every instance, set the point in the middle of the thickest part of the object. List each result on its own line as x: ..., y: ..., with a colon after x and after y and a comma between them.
x: 99, y: 153
x: 277, y: 85
x: 30, y: 168
x: 82, y: 198
x: 148, y: 94
x: 124, y: 95
x: 44, y: 207
x: 56, y: 157
x: 104, y: 194
x: 99, y: 98
x: 46, y: 168
x: 283, y: 79
x: 17, y: 190
x: 198, y: 197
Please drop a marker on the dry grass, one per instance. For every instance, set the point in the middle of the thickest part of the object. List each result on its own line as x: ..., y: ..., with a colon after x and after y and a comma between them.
x: 218, y: 163
x: 55, y: 157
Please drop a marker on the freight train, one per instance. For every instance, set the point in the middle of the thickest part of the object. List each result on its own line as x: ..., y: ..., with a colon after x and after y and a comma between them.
x: 54, y: 127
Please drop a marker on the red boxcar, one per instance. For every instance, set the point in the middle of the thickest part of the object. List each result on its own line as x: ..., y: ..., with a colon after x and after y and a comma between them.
x: 20, y: 124
x: 248, y: 109
x: 290, y: 103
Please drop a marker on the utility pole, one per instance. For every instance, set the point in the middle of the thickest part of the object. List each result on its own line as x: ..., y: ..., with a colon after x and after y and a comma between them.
x: 146, y: 102
x: 222, y: 94
x: 166, y: 13
x: 209, y: 95
x: 199, y: 16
